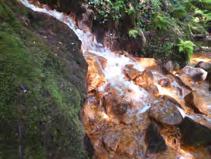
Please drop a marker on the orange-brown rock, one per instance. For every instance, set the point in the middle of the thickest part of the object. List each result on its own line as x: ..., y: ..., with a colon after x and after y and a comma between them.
x: 199, y: 103
x: 95, y: 77
x: 131, y: 72
x: 111, y: 140
x: 145, y: 79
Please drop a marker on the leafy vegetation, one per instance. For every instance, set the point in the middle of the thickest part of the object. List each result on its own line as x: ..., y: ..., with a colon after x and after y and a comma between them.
x: 175, y: 19
x: 186, y: 47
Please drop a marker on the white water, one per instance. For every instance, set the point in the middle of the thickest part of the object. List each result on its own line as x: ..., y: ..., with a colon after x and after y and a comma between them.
x: 113, y: 71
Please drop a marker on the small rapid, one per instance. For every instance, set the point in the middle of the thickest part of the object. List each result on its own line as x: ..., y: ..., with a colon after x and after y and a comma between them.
x: 113, y: 71
x: 122, y: 85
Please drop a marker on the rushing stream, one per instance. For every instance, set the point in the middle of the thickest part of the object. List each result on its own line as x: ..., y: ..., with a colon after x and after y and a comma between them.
x: 115, y: 78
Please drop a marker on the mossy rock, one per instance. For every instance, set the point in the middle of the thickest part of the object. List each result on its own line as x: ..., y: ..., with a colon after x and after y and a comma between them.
x: 42, y: 85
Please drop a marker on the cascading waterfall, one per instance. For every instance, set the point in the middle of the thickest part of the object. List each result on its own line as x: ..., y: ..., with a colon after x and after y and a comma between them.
x: 113, y: 70
x: 115, y: 77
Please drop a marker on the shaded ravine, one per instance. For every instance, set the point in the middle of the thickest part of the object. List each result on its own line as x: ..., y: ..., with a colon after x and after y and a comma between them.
x: 121, y: 90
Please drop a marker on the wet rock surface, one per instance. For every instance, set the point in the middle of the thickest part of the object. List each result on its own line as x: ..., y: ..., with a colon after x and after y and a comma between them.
x: 127, y: 114
x: 194, y: 134
x: 165, y: 111
x: 154, y: 140
x: 196, y: 74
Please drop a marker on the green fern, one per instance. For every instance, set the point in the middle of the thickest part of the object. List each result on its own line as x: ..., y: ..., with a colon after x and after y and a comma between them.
x: 186, y: 47
x: 161, y: 22
x: 133, y: 33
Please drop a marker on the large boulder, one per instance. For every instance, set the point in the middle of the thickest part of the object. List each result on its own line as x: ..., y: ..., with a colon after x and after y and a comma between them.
x: 194, y: 134
x: 207, y: 67
x: 204, y: 65
x: 165, y: 111
x: 198, y: 102
x: 196, y: 74
x: 42, y: 85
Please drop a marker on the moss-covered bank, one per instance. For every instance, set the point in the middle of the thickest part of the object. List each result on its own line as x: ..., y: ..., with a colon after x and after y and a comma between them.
x: 42, y: 86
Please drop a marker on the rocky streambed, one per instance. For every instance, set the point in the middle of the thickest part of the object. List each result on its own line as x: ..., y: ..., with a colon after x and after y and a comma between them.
x: 137, y: 108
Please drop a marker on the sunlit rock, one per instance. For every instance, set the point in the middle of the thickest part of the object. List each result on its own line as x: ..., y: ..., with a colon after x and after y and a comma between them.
x: 196, y: 74
x: 145, y: 79
x: 204, y: 65
x: 198, y: 102
x: 95, y: 77
x: 165, y: 111
x: 131, y: 72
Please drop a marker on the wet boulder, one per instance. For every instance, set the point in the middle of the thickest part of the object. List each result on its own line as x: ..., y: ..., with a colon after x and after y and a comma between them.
x: 165, y: 111
x: 204, y: 65
x: 145, y: 79
x: 155, y: 142
x: 200, y: 103
x: 111, y: 140
x: 115, y: 106
x: 196, y: 74
x: 95, y: 77
x: 194, y: 134
x: 131, y: 72
x: 85, y: 21
x: 207, y: 67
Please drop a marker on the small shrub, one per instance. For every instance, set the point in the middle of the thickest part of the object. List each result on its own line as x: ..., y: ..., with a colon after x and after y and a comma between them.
x: 133, y: 33
x: 186, y: 47
x: 161, y: 22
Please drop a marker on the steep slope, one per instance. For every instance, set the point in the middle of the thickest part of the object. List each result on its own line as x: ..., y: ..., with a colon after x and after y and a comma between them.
x: 42, y: 85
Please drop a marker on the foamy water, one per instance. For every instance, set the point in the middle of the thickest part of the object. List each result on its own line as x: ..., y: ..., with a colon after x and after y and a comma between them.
x: 113, y: 71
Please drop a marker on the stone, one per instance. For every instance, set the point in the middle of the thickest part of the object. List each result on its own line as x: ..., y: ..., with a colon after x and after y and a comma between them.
x: 204, y: 65
x: 95, y: 77
x: 127, y: 145
x: 207, y: 67
x: 85, y: 21
x: 145, y: 79
x: 111, y: 140
x: 155, y: 142
x: 165, y: 82
x: 165, y: 111
x: 199, y: 103
x: 196, y: 74
x: 131, y: 72
x: 194, y: 134
x: 168, y: 66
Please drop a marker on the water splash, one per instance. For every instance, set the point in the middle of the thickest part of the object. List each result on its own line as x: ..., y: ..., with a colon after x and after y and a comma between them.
x: 113, y: 71
x: 115, y: 64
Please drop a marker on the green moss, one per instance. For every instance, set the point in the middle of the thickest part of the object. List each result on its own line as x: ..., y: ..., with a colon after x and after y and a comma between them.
x: 39, y: 106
